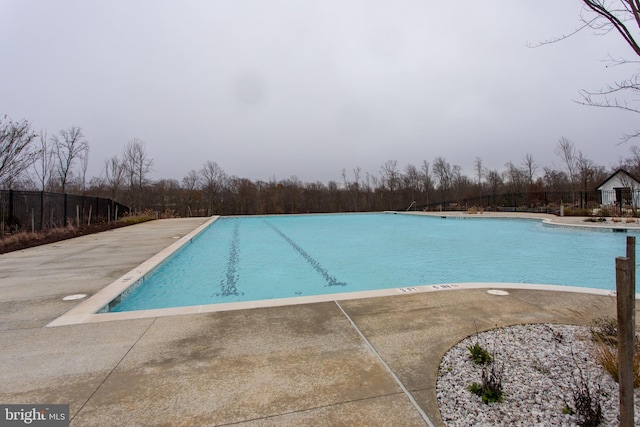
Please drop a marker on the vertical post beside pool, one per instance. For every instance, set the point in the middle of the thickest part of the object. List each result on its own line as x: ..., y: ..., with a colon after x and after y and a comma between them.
x: 625, y: 302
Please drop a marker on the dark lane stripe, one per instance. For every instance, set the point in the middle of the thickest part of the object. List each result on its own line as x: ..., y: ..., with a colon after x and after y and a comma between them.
x: 331, y: 280
x: 229, y: 284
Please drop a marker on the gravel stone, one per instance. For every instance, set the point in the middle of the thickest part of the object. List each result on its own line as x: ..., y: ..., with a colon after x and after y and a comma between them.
x: 541, y: 366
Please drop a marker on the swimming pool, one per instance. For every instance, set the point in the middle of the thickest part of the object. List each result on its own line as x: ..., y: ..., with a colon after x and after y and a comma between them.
x: 270, y: 257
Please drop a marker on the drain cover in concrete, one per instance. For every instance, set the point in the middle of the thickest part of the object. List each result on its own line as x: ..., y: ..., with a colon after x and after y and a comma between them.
x: 497, y: 292
x: 74, y: 297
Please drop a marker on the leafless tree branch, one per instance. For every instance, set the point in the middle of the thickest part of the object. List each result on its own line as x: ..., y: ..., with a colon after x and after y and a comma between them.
x: 16, y: 153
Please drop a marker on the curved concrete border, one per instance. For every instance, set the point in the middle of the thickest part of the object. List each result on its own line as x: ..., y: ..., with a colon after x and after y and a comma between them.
x: 547, y: 219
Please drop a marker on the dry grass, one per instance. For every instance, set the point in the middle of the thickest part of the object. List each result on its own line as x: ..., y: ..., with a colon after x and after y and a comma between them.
x: 27, y: 236
x: 475, y: 210
x: 26, y: 239
x: 607, y: 356
x: 148, y: 215
x: 604, y: 333
x: 145, y: 216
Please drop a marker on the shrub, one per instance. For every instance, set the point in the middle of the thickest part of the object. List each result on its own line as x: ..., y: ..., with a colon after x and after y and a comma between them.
x: 145, y: 216
x: 592, y: 219
x: 490, y: 390
x: 479, y: 355
x: 587, y: 407
x: 577, y: 212
x: 605, y: 211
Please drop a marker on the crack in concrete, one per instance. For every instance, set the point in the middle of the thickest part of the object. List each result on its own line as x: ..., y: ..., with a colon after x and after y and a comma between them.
x: 424, y: 416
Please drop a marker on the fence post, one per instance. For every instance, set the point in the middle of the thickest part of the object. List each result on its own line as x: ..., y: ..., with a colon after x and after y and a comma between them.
x: 42, y: 210
x: 64, y: 217
x: 625, y: 296
x: 10, y: 217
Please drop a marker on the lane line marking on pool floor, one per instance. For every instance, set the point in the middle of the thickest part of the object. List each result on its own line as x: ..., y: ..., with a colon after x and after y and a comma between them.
x: 424, y: 416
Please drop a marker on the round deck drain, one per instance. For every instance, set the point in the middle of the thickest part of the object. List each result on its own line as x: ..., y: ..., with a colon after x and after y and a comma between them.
x: 74, y: 297
x: 497, y: 292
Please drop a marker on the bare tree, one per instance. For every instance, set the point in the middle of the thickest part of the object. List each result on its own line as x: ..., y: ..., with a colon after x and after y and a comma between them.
x: 494, y: 181
x: 566, y: 150
x: 587, y: 172
x: 614, y: 15
x: 16, y: 153
x: 345, y: 180
x: 191, y: 181
x: 427, y: 184
x: 190, y: 184
x: 43, y: 168
x: 555, y: 180
x: 444, y: 174
x: 137, y: 165
x: 621, y: 17
x: 479, y: 170
x: 632, y: 164
x: 84, y: 165
x: 113, y: 175
x: 515, y: 177
x: 412, y: 185
x: 213, y: 178
x: 389, y: 174
x: 356, y: 185
x: 530, y: 167
x: 69, y: 146
x: 44, y: 162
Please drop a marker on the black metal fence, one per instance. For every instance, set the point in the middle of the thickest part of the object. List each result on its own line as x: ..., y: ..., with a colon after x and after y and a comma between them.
x: 615, y: 201
x: 36, y: 210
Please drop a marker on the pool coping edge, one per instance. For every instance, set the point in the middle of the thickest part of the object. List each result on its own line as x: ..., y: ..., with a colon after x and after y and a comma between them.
x: 128, y: 281
x: 76, y: 316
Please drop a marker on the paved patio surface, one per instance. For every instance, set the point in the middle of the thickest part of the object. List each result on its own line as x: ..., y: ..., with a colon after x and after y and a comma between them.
x: 354, y: 362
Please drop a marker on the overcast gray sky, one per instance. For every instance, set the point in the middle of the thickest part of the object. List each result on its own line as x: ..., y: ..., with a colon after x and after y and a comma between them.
x: 275, y: 88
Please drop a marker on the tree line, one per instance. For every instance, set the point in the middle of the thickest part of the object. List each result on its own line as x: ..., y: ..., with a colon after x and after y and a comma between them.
x: 58, y: 163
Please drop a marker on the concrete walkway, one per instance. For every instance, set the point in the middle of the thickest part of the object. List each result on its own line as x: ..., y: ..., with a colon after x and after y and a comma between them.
x: 356, y: 362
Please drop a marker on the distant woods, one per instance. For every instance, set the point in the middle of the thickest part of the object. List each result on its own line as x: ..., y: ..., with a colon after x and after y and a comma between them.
x: 39, y: 161
x: 209, y: 190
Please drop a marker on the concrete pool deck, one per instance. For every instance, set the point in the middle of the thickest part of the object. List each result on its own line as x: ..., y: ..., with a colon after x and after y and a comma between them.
x: 371, y: 361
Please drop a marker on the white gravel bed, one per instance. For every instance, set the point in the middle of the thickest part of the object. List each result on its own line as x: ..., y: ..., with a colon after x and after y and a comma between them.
x: 540, y: 371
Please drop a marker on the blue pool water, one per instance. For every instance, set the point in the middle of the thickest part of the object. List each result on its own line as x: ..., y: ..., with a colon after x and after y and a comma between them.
x: 266, y: 257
